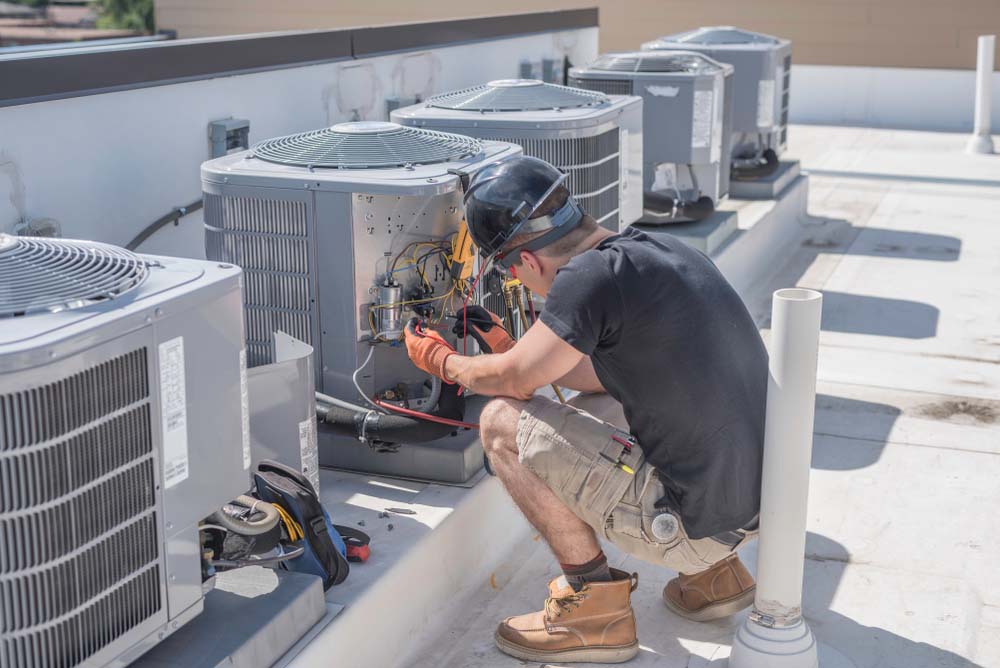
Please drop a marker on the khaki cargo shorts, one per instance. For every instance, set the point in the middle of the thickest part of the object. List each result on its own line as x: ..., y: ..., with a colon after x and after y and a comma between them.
x: 573, y: 449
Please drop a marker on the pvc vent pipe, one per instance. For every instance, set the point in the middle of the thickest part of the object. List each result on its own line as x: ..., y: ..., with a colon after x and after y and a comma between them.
x: 775, y: 635
x: 981, y: 141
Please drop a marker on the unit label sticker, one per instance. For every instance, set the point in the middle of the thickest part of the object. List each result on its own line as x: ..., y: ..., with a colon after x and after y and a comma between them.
x: 665, y: 177
x: 173, y: 412
x: 701, y: 123
x: 765, y: 103
x: 245, y: 409
x: 309, y: 451
x: 663, y: 91
x: 718, y: 111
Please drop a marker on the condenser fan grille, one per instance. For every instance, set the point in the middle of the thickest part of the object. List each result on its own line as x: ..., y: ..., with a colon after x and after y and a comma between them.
x: 517, y: 95
x: 669, y: 62
x: 366, y: 145
x: 44, y: 275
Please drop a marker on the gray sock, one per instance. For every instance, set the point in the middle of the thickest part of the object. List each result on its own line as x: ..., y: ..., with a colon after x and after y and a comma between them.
x: 595, y: 570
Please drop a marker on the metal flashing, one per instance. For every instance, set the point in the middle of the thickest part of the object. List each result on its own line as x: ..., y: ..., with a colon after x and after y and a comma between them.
x: 58, y: 74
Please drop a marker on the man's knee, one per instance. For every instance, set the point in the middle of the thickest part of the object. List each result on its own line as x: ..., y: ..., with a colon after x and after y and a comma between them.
x: 498, y: 425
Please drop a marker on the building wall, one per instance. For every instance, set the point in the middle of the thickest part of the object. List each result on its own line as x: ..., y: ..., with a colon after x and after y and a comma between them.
x: 876, y: 33
x: 105, y: 166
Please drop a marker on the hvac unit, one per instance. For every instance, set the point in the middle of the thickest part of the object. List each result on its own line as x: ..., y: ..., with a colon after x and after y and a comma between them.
x: 686, y: 116
x: 595, y: 139
x: 763, y: 72
x: 343, y: 234
x: 122, y: 425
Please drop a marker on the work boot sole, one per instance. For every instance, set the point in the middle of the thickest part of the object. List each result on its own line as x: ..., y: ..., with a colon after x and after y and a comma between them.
x: 724, y: 608
x: 613, y: 654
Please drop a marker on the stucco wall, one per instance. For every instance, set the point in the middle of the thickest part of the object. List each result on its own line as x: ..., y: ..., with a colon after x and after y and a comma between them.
x: 876, y: 33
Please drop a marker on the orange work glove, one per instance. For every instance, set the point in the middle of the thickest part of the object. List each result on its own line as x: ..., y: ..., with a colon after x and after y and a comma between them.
x: 485, y: 327
x: 427, y: 349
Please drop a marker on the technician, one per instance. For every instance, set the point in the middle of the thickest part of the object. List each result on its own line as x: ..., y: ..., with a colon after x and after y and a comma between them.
x: 660, y: 454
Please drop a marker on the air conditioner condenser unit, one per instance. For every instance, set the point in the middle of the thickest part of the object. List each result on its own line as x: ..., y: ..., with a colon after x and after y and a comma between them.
x: 343, y: 234
x: 122, y: 425
x: 596, y: 139
x: 686, y: 116
x: 762, y: 80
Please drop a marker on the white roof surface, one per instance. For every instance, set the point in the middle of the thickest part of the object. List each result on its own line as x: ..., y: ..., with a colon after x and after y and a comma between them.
x: 904, y: 532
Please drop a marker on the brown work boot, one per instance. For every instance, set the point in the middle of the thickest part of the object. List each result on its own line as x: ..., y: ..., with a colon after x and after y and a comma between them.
x: 594, y: 625
x: 722, y: 590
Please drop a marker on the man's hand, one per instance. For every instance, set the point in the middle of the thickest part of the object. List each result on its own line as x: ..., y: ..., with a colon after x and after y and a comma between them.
x: 485, y: 327
x: 539, y: 358
x: 427, y: 349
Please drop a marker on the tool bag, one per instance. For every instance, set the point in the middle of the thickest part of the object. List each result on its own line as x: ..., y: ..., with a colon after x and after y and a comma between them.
x: 325, y: 553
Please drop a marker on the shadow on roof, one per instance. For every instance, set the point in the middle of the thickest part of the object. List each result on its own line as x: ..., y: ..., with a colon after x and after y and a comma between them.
x: 875, y: 176
x: 878, y: 316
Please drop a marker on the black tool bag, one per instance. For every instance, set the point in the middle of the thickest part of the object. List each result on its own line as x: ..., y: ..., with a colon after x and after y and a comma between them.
x: 324, y: 550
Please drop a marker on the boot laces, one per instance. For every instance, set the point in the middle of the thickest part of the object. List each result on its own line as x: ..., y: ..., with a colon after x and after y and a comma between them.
x: 554, y: 607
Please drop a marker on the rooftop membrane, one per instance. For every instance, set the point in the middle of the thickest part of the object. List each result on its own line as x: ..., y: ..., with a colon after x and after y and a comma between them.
x: 901, y: 237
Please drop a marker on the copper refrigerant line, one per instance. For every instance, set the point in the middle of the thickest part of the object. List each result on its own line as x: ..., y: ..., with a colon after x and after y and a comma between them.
x: 514, y: 304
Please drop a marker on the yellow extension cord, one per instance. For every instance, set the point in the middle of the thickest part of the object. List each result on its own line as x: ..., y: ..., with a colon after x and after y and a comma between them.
x: 295, y: 532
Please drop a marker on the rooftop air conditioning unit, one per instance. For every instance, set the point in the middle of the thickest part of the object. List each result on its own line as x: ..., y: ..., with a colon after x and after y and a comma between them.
x: 344, y: 234
x: 763, y: 73
x: 595, y: 139
x: 686, y: 116
x: 121, y: 427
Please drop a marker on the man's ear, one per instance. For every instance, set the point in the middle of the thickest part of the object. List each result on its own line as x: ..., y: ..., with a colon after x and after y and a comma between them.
x: 530, y: 260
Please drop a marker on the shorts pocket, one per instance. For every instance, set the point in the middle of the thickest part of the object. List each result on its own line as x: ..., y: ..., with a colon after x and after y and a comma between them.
x: 625, y: 520
x: 595, y: 492
x: 553, y: 460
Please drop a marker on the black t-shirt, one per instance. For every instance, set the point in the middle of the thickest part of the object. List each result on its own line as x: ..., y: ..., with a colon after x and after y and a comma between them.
x: 672, y: 341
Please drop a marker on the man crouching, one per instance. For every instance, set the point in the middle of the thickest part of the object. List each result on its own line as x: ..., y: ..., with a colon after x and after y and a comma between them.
x: 660, y: 454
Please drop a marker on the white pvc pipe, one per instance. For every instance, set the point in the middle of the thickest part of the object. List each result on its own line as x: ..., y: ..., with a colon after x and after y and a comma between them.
x: 788, y: 433
x: 981, y: 140
x: 775, y: 633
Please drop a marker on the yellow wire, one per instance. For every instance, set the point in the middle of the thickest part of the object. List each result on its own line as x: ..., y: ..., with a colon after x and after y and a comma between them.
x: 402, y: 262
x: 412, y: 301
x: 372, y: 307
x: 295, y: 531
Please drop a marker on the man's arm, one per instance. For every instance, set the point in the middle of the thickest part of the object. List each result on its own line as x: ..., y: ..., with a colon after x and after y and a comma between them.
x: 582, y: 378
x: 538, y: 359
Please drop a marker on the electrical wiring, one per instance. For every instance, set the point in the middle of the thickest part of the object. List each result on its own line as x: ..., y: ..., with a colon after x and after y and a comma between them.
x: 417, y: 256
x: 293, y: 528
x: 371, y: 318
x: 465, y: 303
x: 410, y: 301
x: 357, y: 383
x: 413, y: 245
x: 382, y: 406
x: 263, y: 561
x: 426, y: 416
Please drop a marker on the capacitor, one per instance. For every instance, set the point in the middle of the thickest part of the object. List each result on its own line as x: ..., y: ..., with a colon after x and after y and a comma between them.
x: 665, y: 527
x: 390, y: 318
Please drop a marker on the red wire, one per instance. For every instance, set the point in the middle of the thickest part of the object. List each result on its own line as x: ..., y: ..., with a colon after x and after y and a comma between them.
x: 427, y: 416
x: 434, y: 418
